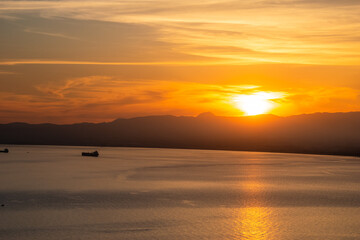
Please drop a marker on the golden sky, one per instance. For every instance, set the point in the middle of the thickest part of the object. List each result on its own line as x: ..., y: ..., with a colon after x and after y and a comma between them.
x: 74, y: 61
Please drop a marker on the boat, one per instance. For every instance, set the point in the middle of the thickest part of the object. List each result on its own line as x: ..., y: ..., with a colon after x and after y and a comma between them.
x: 90, y: 154
x: 5, y: 150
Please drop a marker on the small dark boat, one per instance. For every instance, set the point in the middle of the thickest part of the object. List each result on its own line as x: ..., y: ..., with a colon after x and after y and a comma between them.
x: 5, y: 150
x: 90, y: 154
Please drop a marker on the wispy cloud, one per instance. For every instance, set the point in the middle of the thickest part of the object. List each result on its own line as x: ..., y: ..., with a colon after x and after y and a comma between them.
x: 330, y: 99
x: 57, y: 62
x: 290, y: 31
x: 51, y: 34
x: 227, y: 43
x: 103, y: 98
x: 6, y: 72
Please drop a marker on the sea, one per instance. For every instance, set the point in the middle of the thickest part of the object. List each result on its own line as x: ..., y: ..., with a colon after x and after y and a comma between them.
x: 52, y: 192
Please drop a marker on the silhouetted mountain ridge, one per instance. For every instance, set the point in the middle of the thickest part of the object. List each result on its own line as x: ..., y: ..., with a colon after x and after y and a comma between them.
x: 322, y: 133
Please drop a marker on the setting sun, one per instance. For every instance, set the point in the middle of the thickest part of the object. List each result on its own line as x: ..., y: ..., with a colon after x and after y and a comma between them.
x: 254, y: 104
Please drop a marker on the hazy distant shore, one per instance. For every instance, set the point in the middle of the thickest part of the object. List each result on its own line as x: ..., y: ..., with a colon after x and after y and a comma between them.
x: 322, y: 133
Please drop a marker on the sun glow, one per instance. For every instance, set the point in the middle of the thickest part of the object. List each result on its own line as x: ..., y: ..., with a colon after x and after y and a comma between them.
x: 256, y: 103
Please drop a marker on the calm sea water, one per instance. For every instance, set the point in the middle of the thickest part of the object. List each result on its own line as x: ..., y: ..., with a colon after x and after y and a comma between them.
x: 52, y: 192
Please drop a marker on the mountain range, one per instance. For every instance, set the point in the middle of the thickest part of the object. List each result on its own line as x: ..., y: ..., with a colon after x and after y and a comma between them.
x: 318, y: 133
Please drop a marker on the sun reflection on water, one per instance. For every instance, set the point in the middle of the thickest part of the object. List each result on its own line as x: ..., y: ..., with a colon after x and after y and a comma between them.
x: 254, y: 221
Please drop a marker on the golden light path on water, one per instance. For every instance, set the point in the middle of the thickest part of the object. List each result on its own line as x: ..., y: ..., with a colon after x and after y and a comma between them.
x: 254, y: 221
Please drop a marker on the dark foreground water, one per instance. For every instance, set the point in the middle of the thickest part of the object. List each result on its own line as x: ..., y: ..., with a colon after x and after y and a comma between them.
x: 52, y: 192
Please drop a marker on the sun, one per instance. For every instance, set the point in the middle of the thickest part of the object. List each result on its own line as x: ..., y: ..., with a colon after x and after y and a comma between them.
x: 256, y: 103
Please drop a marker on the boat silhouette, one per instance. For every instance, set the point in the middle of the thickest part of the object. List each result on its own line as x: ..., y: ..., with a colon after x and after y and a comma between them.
x: 90, y: 154
x: 5, y: 150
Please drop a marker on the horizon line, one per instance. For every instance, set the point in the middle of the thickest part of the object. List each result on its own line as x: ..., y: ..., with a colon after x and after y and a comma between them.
x: 190, y: 116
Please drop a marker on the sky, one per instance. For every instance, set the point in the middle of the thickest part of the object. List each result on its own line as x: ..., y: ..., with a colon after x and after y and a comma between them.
x: 94, y: 61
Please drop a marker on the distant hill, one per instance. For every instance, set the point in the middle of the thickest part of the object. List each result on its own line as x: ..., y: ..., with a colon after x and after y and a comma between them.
x: 320, y: 133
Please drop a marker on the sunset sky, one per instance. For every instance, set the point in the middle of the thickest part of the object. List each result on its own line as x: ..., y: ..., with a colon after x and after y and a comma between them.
x: 94, y: 61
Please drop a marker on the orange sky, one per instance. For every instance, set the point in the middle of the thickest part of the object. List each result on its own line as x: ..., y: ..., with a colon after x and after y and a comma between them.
x: 74, y: 61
